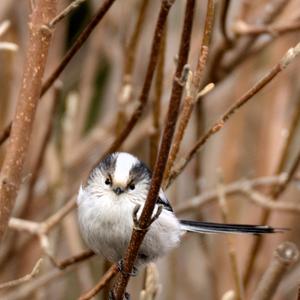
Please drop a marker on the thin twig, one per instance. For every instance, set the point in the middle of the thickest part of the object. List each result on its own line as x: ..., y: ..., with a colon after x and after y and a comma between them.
x: 65, y: 12
x: 156, y: 105
x: 126, y: 91
x: 36, y: 58
x: 105, y: 279
x: 243, y: 28
x: 193, y: 88
x: 285, y: 255
x: 174, y: 104
x: 35, y: 271
x: 219, y: 124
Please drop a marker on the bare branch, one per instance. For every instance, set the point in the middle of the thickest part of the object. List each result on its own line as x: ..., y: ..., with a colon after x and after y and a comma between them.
x: 11, y: 172
x: 285, y: 255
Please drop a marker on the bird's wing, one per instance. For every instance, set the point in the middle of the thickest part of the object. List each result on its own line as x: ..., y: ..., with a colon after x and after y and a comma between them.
x: 163, y: 200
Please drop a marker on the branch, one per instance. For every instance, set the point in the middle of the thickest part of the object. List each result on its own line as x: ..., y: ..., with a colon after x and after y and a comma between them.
x: 36, y: 57
x: 219, y: 124
x: 105, y: 279
x: 235, y: 187
x: 285, y: 255
x: 35, y: 271
x: 243, y: 28
x: 193, y: 88
x: 174, y: 104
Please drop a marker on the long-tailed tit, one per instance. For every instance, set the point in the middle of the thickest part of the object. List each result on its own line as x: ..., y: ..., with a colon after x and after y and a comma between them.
x: 106, y: 204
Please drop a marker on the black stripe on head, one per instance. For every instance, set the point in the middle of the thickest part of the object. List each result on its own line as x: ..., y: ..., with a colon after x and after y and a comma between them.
x: 106, y: 166
x: 139, y: 172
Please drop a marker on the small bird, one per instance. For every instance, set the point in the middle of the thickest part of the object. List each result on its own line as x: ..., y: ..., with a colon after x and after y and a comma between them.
x: 105, y: 211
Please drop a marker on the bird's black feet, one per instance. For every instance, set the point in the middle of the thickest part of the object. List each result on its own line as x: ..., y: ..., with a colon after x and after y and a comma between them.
x: 111, y: 296
x: 136, y: 221
x: 120, y: 265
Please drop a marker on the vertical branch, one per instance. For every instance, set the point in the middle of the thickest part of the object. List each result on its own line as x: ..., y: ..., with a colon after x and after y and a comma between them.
x: 145, y: 219
x: 277, y: 191
x: 193, y: 88
x: 36, y: 57
x: 130, y: 52
x: 156, y: 107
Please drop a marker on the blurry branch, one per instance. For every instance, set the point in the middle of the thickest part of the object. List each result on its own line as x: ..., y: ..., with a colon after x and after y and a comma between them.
x: 233, y: 188
x: 4, y: 25
x: 65, y: 12
x: 6, y: 45
x: 36, y: 57
x: 32, y: 286
x: 219, y: 124
x: 146, y: 216
x: 68, y: 56
x: 156, y: 104
x: 224, y: 14
x: 105, y: 279
x: 38, y: 162
x: 126, y: 90
x: 285, y: 255
x: 143, y: 98
x: 243, y: 28
x: 152, y: 284
x: 192, y: 88
x: 84, y: 35
x: 229, y: 239
x: 278, y: 190
x: 26, y: 278
x: 266, y: 16
x: 42, y: 229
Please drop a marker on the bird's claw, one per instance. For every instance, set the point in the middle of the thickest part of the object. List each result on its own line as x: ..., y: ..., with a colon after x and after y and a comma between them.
x: 111, y: 296
x: 136, y: 221
x: 120, y: 266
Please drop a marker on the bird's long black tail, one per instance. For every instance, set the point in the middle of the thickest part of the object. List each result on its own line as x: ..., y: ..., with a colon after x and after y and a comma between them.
x: 208, y: 227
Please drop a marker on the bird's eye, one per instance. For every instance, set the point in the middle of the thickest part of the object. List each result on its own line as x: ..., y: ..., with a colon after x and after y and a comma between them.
x: 107, y: 181
x: 132, y: 186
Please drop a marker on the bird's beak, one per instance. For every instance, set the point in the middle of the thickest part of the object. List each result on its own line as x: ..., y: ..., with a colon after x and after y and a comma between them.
x: 118, y: 190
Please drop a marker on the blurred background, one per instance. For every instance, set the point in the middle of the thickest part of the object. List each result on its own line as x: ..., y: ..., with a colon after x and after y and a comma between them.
x: 90, y: 103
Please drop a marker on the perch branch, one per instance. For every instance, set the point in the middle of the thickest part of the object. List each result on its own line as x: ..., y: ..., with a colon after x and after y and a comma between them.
x: 174, y: 104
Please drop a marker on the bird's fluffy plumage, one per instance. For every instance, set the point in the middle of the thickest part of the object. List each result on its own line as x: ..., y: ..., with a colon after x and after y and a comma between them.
x: 106, y: 204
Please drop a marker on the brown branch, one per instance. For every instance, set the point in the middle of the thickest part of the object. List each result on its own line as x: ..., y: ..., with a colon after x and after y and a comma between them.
x: 24, y: 279
x: 174, y: 104
x: 65, y: 12
x: 125, y: 94
x: 36, y: 57
x: 193, y: 88
x: 285, y: 255
x: 243, y: 28
x: 68, y: 56
x: 143, y: 98
x: 246, y: 188
x: 219, y: 124
x: 276, y: 192
x: 224, y: 14
x: 105, y: 279
x: 156, y: 105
